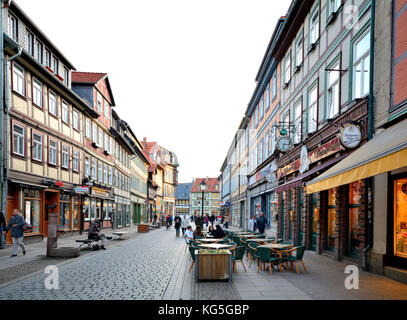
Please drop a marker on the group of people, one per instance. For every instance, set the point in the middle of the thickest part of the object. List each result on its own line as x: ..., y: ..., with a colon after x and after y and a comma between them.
x: 217, y: 233
x: 258, y: 223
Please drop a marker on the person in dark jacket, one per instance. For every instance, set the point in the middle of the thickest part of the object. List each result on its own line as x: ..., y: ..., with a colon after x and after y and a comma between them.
x: 3, y: 226
x: 261, y: 222
x: 94, y: 230
x: 177, y: 225
x: 198, y: 221
x: 212, y: 219
x: 16, y: 224
x: 211, y: 231
x: 168, y: 222
x: 219, y: 233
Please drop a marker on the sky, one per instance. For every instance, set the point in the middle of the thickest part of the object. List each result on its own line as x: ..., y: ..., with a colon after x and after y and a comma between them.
x: 182, y: 71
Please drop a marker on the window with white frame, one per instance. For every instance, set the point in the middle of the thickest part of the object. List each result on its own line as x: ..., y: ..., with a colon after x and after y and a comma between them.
x: 333, y: 6
x: 100, y: 145
x: 52, y: 152
x: 94, y: 170
x: 30, y: 43
x: 39, y: 53
x: 18, y: 79
x: 266, y: 145
x: 55, y: 65
x: 75, y: 120
x: 48, y: 58
x: 287, y: 69
x: 273, y: 141
x: 257, y: 115
x: 262, y: 107
x: 18, y: 140
x: 37, y: 147
x: 12, y: 27
x: 95, y: 133
x: 66, y: 76
x: 65, y: 157
x: 268, y: 96
x: 274, y: 84
x: 314, y: 27
x: 99, y: 102
x: 37, y: 93
x: 333, y: 99
x: 297, y: 122
x: 105, y: 179
x: 286, y: 122
x: 65, y: 112
x: 110, y: 176
x: 299, y: 51
x: 52, y: 108
x: 110, y: 145
x: 75, y: 161
x: 313, y: 109
x: 88, y: 130
x: 361, y: 66
x: 87, y: 167
x: 106, y: 142
x: 107, y: 109
x: 100, y: 172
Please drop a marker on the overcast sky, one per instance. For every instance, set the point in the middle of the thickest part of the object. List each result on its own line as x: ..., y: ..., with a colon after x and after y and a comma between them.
x: 182, y: 71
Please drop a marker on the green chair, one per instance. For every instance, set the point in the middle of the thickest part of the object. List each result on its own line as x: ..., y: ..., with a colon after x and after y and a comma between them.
x: 238, y: 254
x: 264, y: 256
x: 192, y: 251
x: 299, y: 254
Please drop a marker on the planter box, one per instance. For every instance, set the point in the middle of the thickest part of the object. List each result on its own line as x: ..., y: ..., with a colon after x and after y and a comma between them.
x: 143, y: 228
x: 213, y: 266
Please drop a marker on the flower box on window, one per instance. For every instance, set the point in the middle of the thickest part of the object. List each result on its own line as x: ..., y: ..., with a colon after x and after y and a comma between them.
x: 49, y: 69
x: 59, y: 77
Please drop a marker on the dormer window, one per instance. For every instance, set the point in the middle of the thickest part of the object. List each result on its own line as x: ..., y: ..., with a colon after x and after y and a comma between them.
x: 12, y: 27
x: 55, y: 64
x: 39, y: 53
x: 47, y: 58
x: 66, y: 76
x: 30, y: 43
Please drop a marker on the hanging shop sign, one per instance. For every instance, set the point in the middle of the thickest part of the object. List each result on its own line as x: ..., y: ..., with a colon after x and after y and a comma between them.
x: 288, y: 169
x: 53, y: 183
x: 304, y: 159
x: 329, y: 148
x: 81, y: 189
x: 350, y: 136
x: 99, y: 192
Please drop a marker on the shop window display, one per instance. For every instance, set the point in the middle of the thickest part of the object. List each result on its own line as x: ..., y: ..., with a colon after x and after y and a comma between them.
x: 86, y: 209
x: 354, y: 211
x: 331, y: 218
x: 32, y: 208
x: 93, y: 209
x: 75, y: 213
x: 400, y: 217
x: 64, y: 211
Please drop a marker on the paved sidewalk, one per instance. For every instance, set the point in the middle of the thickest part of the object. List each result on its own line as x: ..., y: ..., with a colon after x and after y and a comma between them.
x: 36, y: 260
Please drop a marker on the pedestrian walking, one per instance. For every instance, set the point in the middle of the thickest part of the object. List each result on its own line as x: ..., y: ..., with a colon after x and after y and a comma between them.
x: 261, y: 222
x: 212, y: 219
x: 155, y: 219
x: 206, y: 220
x: 16, y: 224
x: 3, y: 226
x: 177, y: 225
x: 168, y: 222
x: 198, y: 221
x: 184, y: 224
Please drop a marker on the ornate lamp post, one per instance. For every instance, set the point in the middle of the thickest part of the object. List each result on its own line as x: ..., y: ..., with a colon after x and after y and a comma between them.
x: 203, y: 186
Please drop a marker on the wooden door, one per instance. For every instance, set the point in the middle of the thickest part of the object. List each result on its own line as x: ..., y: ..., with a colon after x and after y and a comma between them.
x: 11, y: 205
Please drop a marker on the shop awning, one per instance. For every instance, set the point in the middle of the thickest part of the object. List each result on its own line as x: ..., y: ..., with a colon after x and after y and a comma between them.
x: 28, y: 184
x: 297, y: 182
x: 387, y: 151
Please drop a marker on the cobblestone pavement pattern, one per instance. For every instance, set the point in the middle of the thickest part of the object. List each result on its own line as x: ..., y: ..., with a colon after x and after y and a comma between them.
x: 137, y: 269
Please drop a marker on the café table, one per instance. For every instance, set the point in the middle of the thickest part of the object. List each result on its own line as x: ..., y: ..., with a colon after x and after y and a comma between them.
x: 260, y: 240
x: 209, y: 240
x: 216, y: 246
x: 279, y: 247
x: 247, y: 235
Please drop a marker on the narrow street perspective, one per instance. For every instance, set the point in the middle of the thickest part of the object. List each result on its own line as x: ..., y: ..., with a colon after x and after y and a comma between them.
x: 203, y: 150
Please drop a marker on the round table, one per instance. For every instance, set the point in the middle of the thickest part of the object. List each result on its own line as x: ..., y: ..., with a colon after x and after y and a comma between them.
x: 216, y: 246
x: 209, y: 240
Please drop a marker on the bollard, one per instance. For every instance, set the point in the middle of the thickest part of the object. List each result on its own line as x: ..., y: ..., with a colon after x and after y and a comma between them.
x: 52, y: 231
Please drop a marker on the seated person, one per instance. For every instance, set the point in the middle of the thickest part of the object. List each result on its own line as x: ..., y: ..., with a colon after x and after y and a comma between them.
x: 211, y: 231
x: 219, y: 233
x: 189, y: 235
x: 198, y: 232
x: 94, y: 233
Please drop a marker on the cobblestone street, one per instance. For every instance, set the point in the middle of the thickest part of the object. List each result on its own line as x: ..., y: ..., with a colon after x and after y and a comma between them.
x: 155, y: 266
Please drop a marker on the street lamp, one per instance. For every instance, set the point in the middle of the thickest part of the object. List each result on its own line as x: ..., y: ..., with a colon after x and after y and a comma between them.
x: 203, y: 186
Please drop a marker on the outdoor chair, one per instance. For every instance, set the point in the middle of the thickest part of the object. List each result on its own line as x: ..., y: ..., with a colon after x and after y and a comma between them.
x: 192, y: 251
x: 251, y: 252
x: 238, y: 254
x: 264, y: 256
x: 298, y: 257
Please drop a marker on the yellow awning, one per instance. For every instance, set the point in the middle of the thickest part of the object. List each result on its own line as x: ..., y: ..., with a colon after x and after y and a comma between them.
x: 387, y: 151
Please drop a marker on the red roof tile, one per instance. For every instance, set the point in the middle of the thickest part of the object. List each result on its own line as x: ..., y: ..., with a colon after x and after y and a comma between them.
x: 211, y: 182
x: 87, y: 77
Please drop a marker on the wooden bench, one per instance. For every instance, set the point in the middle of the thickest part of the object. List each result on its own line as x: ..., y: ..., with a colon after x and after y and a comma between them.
x: 117, y: 235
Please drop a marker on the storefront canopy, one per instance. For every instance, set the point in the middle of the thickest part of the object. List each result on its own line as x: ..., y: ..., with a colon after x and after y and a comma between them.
x: 387, y: 151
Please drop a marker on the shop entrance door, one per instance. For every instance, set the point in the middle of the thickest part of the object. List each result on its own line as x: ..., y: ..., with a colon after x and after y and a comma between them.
x: 331, y: 233
x: 300, y: 206
x: 400, y: 218
x: 281, y: 215
x: 12, y: 201
x: 290, y: 214
x: 353, y: 223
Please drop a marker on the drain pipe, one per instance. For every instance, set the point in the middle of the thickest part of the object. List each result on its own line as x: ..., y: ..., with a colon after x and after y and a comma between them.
x: 7, y: 111
x: 365, y: 265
